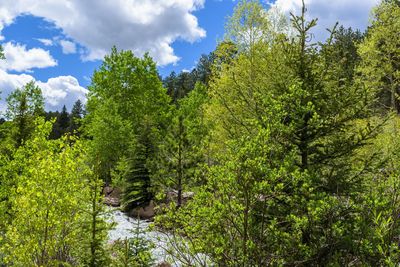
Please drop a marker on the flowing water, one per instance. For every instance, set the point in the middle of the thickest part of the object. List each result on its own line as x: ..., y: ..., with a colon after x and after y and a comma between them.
x: 126, y: 227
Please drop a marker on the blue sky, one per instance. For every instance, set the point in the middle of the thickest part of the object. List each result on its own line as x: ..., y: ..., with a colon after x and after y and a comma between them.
x: 60, y: 43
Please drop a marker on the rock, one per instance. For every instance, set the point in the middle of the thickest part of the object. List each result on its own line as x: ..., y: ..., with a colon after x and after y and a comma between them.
x: 112, y: 196
x: 172, y: 196
x: 112, y: 201
x: 187, y: 195
x: 108, y: 190
x: 144, y: 213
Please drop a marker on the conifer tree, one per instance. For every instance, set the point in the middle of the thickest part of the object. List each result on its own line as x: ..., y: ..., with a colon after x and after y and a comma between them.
x: 63, y: 120
x: 76, y: 116
x: 23, y: 106
x: 137, y: 192
x: 288, y: 181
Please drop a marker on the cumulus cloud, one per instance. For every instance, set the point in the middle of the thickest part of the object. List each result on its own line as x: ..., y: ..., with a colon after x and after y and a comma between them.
x: 20, y: 59
x: 62, y: 90
x: 139, y: 25
x: 353, y: 13
x: 56, y: 91
x: 68, y: 47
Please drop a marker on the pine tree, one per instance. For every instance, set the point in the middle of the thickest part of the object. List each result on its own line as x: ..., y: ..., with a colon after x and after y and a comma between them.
x: 288, y: 182
x: 76, y: 116
x: 137, y: 192
x: 180, y: 154
x: 23, y: 106
x: 64, y: 120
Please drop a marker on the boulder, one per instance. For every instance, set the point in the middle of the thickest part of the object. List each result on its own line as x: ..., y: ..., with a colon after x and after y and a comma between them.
x: 112, y: 201
x: 112, y: 196
x: 172, y: 196
x: 144, y: 213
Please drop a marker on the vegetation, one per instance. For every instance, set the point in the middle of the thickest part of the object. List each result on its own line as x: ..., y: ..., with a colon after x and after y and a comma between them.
x: 275, y: 150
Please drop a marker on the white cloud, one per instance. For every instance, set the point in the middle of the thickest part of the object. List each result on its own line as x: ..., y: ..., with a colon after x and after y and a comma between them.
x: 68, y: 47
x: 349, y: 13
x: 19, y: 58
x: 139, y: 25
x: 62, y: 90
x: 46, y: 42
x: 56, y: 91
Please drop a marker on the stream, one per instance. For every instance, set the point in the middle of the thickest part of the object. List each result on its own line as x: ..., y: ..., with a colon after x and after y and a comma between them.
x: 126, y: 227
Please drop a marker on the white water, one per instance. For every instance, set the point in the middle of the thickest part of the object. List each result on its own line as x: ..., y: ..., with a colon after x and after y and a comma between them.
x: 126, y: 227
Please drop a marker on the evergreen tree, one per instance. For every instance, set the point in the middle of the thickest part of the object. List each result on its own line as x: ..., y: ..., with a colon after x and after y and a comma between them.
x: 76, y: 116
x: 180, y: 154
x: 288, y: 183
x: 170, y: 84
x: 64, y: 120
x: 1, y: 53
x: 23, y: 106
x: 137, y: 192
x: 204, y: 68
x: 95, y: 253
x: 343, y: 49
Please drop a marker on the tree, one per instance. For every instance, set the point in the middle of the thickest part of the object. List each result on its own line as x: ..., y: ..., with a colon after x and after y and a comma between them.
x: 1, y: 53
x: 76, y: 116
x: 204, y: 68
x: 48, y: 202
x: 137, y: 189
x: 343, y: 49
x: 380, y: 55
x: 125, y: 92
x: 380, y: 215
x: 170, y: 84
x: 180, y: 153
x: 178, y: 86
x: 95, y: 253
x: 64, y: 121
x: 287, y: 185
x: 23, y: 106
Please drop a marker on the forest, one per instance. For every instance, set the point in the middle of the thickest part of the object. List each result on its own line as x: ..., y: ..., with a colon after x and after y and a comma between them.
x: 275, y: 150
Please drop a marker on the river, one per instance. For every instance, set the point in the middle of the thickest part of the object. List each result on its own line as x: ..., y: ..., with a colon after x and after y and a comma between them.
x: 125, y: 227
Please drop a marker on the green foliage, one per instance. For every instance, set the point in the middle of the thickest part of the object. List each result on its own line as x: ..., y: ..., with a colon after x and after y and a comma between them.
x: 23, y: 106
x: 1, y: 53
x: 380, y: 217
x: 137, y: 177
x: 249, y: 25
x: 179, y: 86
x: 66, y: 123
x: 125, y: 96
x: 112, y: 135
x: 76, y: 116
x: 133, y: 252
x: 94, y: 251
x: 277, y: 136
x: 380, y: 55
x: 48, y: 200
x: 289, y: 182
x: 181, y: 154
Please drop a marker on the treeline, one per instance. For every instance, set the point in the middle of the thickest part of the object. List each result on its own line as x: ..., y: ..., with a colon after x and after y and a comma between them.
x: 290, y: 147
x: 66, y: 122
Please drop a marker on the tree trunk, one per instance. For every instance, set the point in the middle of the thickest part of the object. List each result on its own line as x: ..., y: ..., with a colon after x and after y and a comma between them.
x: 180, y: 162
